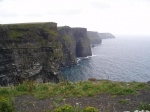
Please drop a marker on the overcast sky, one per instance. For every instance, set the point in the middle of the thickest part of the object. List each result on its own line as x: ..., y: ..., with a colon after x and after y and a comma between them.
x: 131, y: 17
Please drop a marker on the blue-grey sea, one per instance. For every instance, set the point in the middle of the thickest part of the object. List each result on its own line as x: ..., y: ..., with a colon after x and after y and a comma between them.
x: 120, y: 59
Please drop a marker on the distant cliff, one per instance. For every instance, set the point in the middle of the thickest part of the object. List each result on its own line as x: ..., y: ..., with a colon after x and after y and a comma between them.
x: 106, y: 35
x: 36, y: 51
x: 94, y: 37
x: 82, y: 47
x: 75, y: 44
x: 68, y: 46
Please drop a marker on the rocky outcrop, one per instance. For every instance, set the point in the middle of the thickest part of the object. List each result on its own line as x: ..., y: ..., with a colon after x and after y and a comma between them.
x: 106, y: 35
x: 68, y: 45
x: 82, y: 47
x: 36, y: 51
x: 94, y: 37
x: 29, y: 51
x: 75, y: 44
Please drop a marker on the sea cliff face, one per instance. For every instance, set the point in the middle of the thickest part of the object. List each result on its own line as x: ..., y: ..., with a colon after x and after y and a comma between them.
x: 36, y: 51
x: 94, y: 37
x: 75, y: 44
x: 82, y: 47
x: 106, y: 35
x: 68, y: 46
x: 29, y: 51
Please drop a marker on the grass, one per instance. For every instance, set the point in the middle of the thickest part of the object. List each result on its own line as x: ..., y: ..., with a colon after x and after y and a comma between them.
x: 124, y: 101
x: 67, y: 39
x: 68, y: 89
x: 77, y: 89
x: 14, y: 34
x: 6, y: 104
x: 144, y: 106
x: 69, y: 108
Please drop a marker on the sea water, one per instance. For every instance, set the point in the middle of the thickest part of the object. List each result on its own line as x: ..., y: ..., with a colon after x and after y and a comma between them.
x: 119, y: 59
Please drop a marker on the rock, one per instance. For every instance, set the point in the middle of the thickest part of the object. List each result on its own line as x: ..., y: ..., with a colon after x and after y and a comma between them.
x: 94, y: 38
x: 106, y: 35
x: 27, y: 51
x: 68, y: 45
x: 36, y: 51
x: 75, y: 44
x: 82, y: 47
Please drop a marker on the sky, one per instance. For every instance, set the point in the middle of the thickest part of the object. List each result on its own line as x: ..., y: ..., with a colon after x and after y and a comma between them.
x: 119, y: 17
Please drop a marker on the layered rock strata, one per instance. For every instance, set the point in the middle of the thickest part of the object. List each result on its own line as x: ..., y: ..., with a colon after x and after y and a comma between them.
x: 36, y: 51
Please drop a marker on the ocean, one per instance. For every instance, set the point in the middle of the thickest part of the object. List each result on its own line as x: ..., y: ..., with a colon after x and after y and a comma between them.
x: 119, y: 59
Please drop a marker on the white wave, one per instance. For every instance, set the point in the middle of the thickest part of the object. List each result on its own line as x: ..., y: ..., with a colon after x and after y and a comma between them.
x: 81, y: 58
x: 78, y: 59
x: 94, y: 55
x: 90, y: 56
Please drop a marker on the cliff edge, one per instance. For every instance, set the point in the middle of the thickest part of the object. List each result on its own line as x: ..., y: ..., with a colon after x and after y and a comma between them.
x: 29, y: 51
x: 36, y: 51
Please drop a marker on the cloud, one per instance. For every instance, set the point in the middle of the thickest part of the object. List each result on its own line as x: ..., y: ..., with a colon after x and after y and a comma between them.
x: 7, y: 15
x: 100, y: 5
x: 64, y: 12
x: 117, y: 16
x: 36, y: 7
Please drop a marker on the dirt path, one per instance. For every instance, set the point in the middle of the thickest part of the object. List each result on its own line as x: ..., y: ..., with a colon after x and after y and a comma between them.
x: 104, y: 102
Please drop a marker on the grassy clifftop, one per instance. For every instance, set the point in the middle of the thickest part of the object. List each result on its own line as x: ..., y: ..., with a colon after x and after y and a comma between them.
x: 28, y: 33
x: 57, y: 93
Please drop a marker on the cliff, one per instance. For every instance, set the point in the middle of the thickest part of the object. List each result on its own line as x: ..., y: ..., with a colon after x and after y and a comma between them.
x: 68, y: 45
x: 106, y: 35
x: 82, y: 47
x: 75, y: 44
x: 36, y: 51
x: 29, y: 51
x: 94, y: 37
